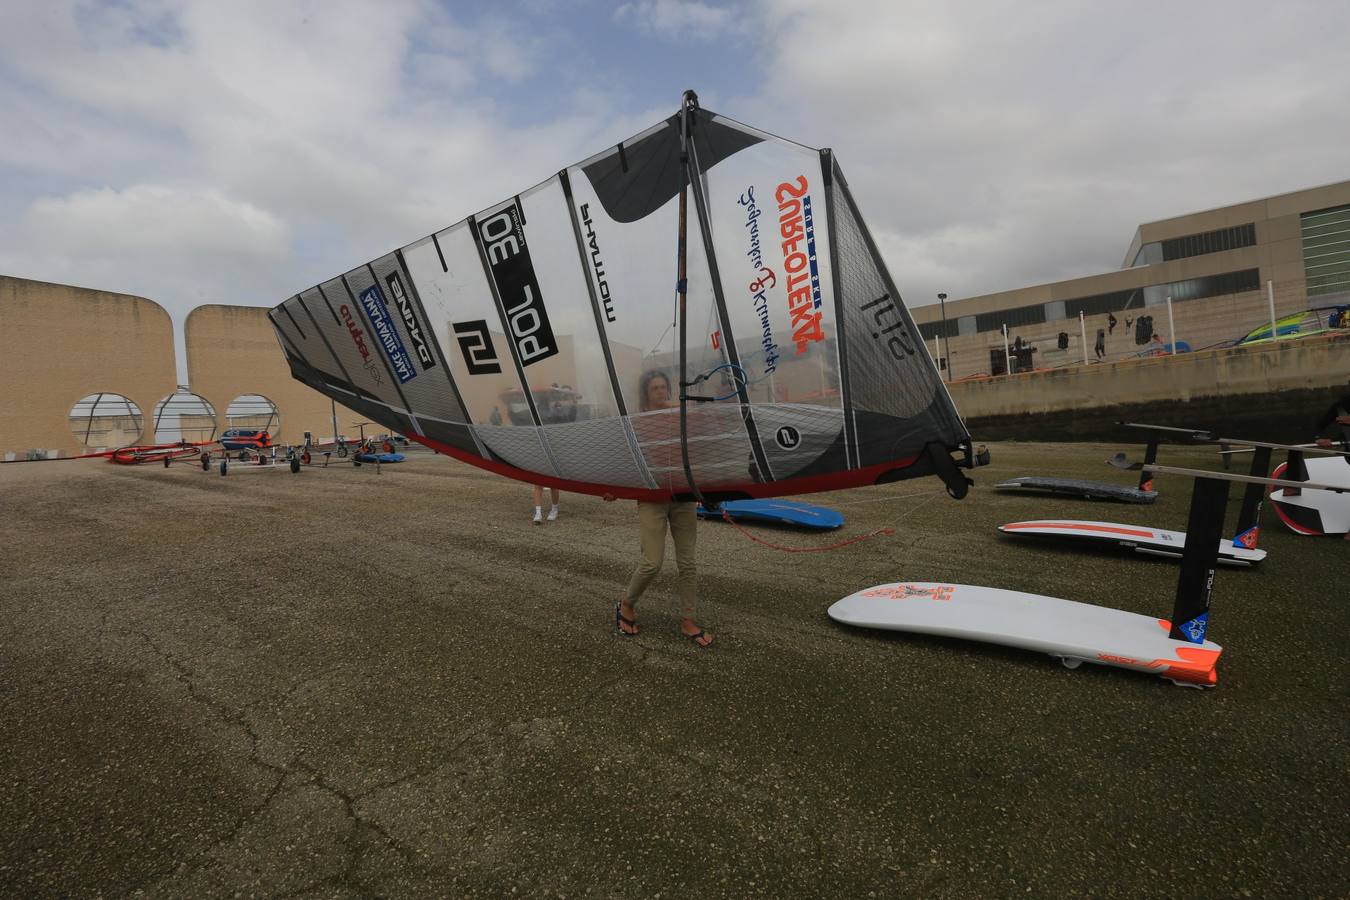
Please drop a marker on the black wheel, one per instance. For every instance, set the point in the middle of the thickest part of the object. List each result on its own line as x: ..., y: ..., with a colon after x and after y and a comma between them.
x: 166, y: 462
x: 243, y: 456
x: 224, y: 466
x: 342, y: 453
x: 295, y: 465
x: 206, y: 462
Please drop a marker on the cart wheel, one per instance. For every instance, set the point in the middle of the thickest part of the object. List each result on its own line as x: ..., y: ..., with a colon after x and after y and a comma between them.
x: 305, y: 457
x: 295, y: 465
x: 342, y: 452
x: 206, y: 462
x: 224, y: 466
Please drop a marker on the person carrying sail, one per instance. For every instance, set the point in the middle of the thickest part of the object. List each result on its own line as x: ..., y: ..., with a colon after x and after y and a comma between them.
x: 654, y: 519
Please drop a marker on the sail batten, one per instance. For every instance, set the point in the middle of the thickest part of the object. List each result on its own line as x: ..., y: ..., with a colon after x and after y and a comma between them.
x: 533, y: 338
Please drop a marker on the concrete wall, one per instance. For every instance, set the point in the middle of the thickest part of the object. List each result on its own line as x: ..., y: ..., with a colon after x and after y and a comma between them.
x: 1277, y: 391
x: 60, y: 343
x: 233, y: 351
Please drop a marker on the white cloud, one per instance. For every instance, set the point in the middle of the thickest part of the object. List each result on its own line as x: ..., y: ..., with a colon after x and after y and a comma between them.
x: 676, y: 18
x: 154, y: 219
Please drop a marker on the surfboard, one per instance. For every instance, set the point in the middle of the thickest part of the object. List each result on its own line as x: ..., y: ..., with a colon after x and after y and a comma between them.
x: 1139, y: 538
x: 1312, y: 511
x: 778, y: 512
x: 379, y: 457
x: 1072, y: 632
x: 1074, y: 487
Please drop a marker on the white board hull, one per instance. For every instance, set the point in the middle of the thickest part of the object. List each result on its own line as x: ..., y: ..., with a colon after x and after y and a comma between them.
x: 1139, y: 538
x: 1073, y: 632
x: 1311, y: 511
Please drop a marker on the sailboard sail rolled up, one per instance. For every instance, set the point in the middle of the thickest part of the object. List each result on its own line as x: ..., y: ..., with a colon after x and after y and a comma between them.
x: 531, y: 338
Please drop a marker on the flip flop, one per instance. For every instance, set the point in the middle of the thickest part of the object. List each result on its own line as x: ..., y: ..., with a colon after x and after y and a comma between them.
x: 619, y: 617
x: 695, y: 636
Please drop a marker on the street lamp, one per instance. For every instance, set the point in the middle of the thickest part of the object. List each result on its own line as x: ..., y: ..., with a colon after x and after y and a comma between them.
x: 946, y: 347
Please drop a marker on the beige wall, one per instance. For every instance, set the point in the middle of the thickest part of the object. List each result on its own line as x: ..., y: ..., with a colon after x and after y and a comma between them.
x: 233, y: 351
x: 60, y: 343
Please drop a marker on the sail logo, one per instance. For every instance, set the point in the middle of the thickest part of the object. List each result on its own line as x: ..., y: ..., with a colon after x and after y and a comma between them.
x: 788, y: 437
x: 475, y: 342
x: 359, y: 338
x: 796, y: 226
x: 597, y: 265
x: 502, y: 238
x: 765, y: 279
x: 1195, y: 629
x: 941, y: 593
x: 888, y: 318
x: 372, y: 301
x: 410, y: 321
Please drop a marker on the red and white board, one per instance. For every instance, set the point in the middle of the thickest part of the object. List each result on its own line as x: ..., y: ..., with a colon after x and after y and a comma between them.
x: 1073, y: 632
x: 1139, y: 538
x: 1312, y: 511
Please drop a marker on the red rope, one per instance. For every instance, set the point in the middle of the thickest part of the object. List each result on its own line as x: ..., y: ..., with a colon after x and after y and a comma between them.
x: 853, y: 540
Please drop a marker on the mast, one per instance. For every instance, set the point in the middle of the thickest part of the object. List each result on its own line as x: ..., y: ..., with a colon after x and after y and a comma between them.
x: 687, y: 105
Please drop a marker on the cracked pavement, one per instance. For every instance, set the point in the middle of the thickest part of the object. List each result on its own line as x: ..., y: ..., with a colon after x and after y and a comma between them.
x: 350, y: 684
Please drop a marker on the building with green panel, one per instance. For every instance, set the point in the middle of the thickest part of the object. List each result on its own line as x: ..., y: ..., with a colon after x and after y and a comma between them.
x: 1200, y: 280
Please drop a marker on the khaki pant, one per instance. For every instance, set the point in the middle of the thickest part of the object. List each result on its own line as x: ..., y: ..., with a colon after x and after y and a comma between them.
x: 653, y: 519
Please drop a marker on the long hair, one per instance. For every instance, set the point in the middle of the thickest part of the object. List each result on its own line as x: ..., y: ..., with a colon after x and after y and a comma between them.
x: 647, y: 378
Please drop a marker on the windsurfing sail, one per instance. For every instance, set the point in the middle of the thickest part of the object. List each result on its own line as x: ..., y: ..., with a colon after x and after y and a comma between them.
x: 541, y: 338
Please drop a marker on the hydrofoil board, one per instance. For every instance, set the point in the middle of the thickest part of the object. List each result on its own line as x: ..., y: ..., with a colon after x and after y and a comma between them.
x: 1139, y: 538
x: 1073, y: 632
x: 1075, y: 487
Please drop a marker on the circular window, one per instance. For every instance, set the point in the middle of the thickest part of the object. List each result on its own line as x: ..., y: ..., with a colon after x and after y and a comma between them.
x: 253, y: 411
x: 106, y: 420
x: 184, y: 416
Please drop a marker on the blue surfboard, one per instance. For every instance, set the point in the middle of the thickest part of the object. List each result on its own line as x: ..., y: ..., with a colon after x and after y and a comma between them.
x: 379, y: 457
x: 779, y: 512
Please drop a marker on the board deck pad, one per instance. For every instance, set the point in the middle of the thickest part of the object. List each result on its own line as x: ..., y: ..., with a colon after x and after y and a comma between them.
x: 780, y: 512
x: 1076, y: 487
x: 1314, y: 511
x: 1139, y: 538
x: 1071, y: 631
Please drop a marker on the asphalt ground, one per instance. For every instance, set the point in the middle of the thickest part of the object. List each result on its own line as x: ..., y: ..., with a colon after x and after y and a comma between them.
x: 343, y: 683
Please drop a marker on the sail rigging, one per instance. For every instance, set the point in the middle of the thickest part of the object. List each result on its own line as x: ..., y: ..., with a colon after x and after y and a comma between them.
x: 520, y: 338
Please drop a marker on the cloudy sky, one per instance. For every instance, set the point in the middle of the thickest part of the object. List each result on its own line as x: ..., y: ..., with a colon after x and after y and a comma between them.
x: 237, y: 152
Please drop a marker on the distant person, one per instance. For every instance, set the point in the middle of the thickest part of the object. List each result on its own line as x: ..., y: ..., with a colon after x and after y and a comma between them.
x: 539, y: 505
x: 654, y: 519
x: 1100, y: 348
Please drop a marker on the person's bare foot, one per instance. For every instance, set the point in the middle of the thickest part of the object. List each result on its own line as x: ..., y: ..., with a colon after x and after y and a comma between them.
x: 625, y: 618
x: 690, y: 630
